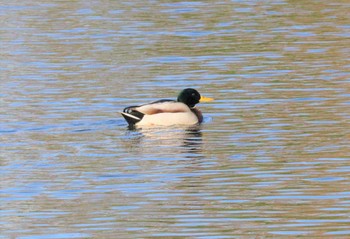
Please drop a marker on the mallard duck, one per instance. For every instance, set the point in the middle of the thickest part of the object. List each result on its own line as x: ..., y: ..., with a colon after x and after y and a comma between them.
x: 167, y: 112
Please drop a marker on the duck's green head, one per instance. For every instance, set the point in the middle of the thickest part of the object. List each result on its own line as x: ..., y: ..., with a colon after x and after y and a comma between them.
x: 191, y: 97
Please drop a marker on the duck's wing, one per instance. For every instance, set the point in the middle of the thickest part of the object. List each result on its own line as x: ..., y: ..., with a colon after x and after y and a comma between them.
x: 157, y: 107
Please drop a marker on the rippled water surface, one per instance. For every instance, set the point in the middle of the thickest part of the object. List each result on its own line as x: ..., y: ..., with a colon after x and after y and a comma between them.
x: 271, y: 160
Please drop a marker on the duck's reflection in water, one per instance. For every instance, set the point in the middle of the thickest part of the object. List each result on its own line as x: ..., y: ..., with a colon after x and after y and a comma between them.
x: 165, y: 142
x: 192, y: 141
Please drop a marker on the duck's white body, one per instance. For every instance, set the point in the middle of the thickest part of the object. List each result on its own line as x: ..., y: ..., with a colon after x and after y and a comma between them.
x: 167, y: 112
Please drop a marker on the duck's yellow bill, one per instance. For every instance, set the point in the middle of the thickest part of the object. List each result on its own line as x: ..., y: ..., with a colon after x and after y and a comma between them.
x: 205, y: 99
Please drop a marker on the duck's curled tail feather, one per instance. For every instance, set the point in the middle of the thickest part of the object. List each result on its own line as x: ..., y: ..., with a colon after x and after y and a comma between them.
x: 131, y: 115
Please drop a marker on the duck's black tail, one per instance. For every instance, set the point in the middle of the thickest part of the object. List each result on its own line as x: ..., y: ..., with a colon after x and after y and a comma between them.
x: 132, y: 116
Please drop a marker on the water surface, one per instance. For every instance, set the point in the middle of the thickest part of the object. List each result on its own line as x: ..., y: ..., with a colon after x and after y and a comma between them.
x: 271, y: 159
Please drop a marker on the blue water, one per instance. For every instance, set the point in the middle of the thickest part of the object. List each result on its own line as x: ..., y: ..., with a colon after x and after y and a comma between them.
x: 270, y: 160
